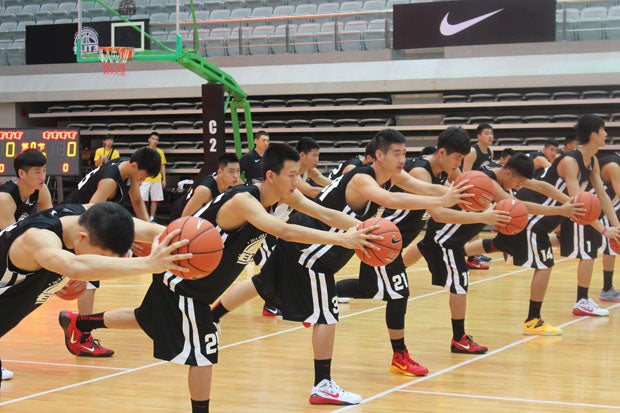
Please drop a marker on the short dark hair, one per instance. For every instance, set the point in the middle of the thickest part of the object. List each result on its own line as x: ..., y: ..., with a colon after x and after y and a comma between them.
x: 305, y: 144
x: 227, y: 158
x: 261, y: 133
x: 275, y: 156
x: 521, y: 164
x: 369, y: 149
x: 551, y: 142
x: 385, y: 138
x: 30, y: 158
x: 148, y: 160
x: 154, y: 133
x: 507, y: 152
x: 586, y: 124
x: 427, y: 150
x: 454, y: 139
x: 108, y: 136
x: 110, y: 227
x: 570, y: 138
x: 482, y: 127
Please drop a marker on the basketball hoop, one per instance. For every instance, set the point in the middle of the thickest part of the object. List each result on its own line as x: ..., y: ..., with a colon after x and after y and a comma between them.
x: 114, y: 59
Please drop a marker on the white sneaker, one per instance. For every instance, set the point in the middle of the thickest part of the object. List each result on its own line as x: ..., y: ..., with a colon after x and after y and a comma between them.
x: 328, y: 392
x: 343, y: 300
x: 589, y: 307
x: 6, y: 374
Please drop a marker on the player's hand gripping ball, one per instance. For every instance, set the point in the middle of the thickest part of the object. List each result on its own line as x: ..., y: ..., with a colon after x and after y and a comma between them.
x: 518, y: 216
x: 205, y: 244
x: 482, y: 190
x: 591, y: 204
x: 389, y: 247
x: 72, y: 290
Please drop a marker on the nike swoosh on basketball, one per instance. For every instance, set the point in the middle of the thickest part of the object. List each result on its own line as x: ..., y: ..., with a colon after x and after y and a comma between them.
x: 448, y: 29
x: 395, y: 240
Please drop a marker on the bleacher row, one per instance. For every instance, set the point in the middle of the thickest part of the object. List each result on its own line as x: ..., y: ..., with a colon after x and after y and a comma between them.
x: 255, y: 27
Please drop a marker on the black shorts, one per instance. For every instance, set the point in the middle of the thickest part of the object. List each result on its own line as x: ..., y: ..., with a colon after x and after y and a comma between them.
x: 447, y: 265
x: 604, y: 247
x: 181, y: 327
x: 301, y: 293
x: 579, y: 241
x: 385, y: 283
x: 528, y: 249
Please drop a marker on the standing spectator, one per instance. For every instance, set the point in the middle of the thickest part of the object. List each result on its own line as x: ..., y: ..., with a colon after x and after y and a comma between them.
x: 480, y: 154
x: 153, y: 187
x: 106, y: 152
x: 250, y: 163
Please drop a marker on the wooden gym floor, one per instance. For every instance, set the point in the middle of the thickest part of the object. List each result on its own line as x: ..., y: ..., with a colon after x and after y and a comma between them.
x: 266, y: 364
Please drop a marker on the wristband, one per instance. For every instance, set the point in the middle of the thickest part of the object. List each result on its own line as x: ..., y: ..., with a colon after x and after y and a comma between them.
x: 604, y: 230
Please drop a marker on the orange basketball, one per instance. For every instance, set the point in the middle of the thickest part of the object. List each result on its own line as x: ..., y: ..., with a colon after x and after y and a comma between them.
x: 72, y: 290
x: 141, y: 249
x: 591, y: 204
x: 205, y: 243
x: 390, y: 245
x: 518, y: 216
x: 614, y: 245
x: 482, y: 190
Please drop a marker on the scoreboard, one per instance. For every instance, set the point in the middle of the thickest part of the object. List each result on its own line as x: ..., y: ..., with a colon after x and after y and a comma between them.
x: 60, y: 146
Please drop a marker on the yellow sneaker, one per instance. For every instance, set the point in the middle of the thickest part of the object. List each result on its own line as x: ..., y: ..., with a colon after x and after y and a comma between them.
x: 539, y: 327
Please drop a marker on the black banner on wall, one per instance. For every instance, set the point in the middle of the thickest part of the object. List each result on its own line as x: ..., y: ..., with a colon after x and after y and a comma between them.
x: 213, y: 124
x: 470, y: 22
x: 55, y: 43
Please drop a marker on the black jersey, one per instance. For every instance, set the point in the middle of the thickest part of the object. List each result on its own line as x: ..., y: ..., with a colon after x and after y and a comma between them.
x: 179, y: 204
x: 533, y: 155
x: 482, y: 158
x: 410, y: 222
x: 22, y: 208
x: 455, y: 235
x: 88, y: 185
x: 323, y: 257
x: 613, y: 158
x: 21, y: 292
x: 240, y: 245
x: 251, y: 165
x: 336, y: 172
x: 547, y: 223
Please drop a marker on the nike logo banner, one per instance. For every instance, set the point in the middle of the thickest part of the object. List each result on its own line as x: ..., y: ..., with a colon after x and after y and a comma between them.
x: 473, y: 22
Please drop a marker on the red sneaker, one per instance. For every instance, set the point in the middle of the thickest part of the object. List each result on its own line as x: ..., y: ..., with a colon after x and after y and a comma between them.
x: 270, y: 311
x: 467, y: 345
x: 474, y: 264
x: 403, y: 363
x: 79, y: 342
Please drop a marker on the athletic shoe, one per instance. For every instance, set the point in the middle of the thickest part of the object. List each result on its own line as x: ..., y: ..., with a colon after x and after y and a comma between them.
x: 467, y: 345
x: 79, y: 342
x: 343, y: 300
x: 271, y: 311
x: 474, y: 264
x: 328, y: 392
x: 483, y: 258
x: 6, y: 374
x: 403, y: 363
x: 611, y: 295
x: 589, y: 307
x: 539, y: 327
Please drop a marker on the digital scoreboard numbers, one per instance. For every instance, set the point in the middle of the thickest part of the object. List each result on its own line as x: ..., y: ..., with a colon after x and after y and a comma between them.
x: 60, y: 146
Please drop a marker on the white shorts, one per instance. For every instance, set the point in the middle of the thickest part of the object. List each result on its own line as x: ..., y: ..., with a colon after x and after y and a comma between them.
x: 152, y: 190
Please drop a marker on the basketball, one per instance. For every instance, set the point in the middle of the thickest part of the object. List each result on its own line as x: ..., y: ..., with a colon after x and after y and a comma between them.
x: 141, y: 249
x: 72, y: 290
x: 205, y: 243
x: 518, y: 216
x: 482, y: 190
x: 591, y: 204
x: 614, y: 245
x: 390, y: 245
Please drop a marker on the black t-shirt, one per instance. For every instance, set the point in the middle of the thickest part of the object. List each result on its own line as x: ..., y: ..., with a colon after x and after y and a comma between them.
x: 250, y: 164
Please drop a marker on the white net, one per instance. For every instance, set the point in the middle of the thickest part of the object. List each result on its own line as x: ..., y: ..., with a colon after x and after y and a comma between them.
x: 114, y: 59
